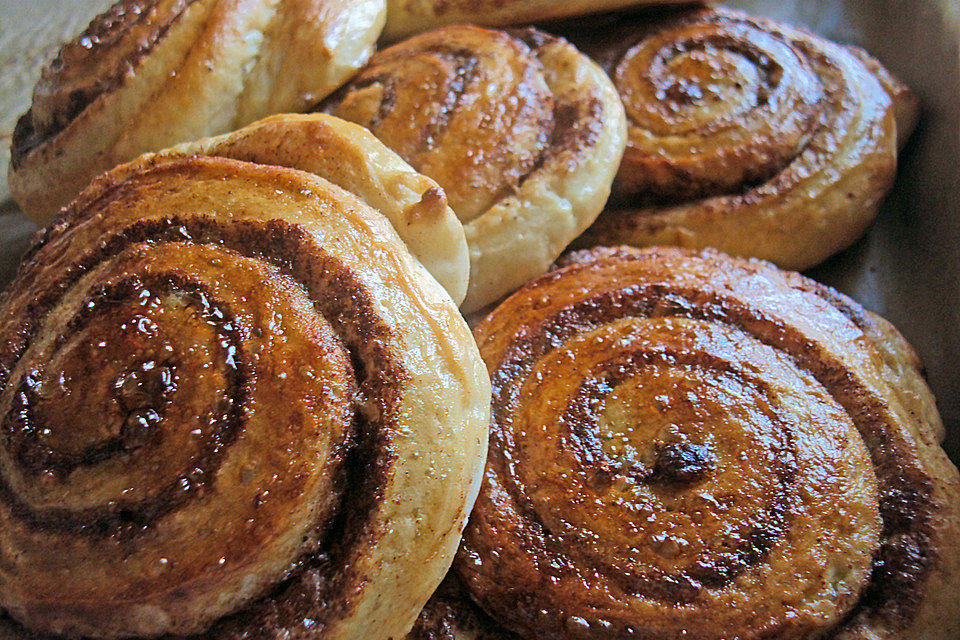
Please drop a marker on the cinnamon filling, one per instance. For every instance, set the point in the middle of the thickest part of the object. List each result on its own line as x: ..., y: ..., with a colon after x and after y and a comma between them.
x: 470, y: 108
x: 122, y: 342
x: 620, y: 415
x: 95, y: 63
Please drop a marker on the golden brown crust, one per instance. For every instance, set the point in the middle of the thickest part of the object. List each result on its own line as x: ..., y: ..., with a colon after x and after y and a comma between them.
x: 147, y: 74
x: 95, y: 63
x: 350, y: 157
x: 747, y: 135
x: 232, y: 403
x: 906, y: 104
x: 522, y: 131
x: 636, y: 391
x: 407, y: 17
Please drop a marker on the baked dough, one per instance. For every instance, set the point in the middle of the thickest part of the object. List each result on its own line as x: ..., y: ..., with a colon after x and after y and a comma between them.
x: 148, y: 74
x: 407, y: 17
x: 747, y: 135
x: 350, y: 157
x: 688, y: 445
x: 522, y: 131
x: 233, y: 404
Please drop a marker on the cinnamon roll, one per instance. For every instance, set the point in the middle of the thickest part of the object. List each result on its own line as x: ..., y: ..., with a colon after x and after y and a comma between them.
x: 233, y: 405
x: 350, y: 157
x: 407, y: 17
x: 522, y: 131
x: 744, y: 134
x: 147, y: 74
x: 688, y: 445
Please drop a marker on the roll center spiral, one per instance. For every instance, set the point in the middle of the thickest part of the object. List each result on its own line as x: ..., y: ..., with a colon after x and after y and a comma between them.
x: 715, y: 105
x: 682, y: 463
x: 101, y: 397
x: 669, y: 462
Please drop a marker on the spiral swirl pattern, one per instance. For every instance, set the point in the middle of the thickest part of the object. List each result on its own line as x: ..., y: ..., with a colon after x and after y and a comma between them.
x: 691, y: 446
x: 147, y: 74
x: 746, y: 135
x: 214, y: 408
x: 723, y: 104
x: 522, y: 131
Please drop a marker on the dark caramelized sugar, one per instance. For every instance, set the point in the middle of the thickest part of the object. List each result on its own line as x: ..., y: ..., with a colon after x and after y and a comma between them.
x: 682, y: 463
x: 138, y: 399
x: 144, y: 388
x: 670, y: 466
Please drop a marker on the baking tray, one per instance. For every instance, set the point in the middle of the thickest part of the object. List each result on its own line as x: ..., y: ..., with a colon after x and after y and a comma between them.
x: 907, y: 268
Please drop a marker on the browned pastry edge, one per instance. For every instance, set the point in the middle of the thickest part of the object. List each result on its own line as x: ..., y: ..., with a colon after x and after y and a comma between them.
x: 104, y: 32
x: 367, y: 466
x: 323, y: 587
x: 906, y: 103
x: 916, y: 571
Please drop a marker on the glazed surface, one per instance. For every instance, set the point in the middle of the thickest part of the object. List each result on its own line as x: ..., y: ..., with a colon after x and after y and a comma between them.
x: 745, y: 134
x: 221, y: 415
x: 147, y: 74
x: 689, y: 445
x: 522, y: 131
